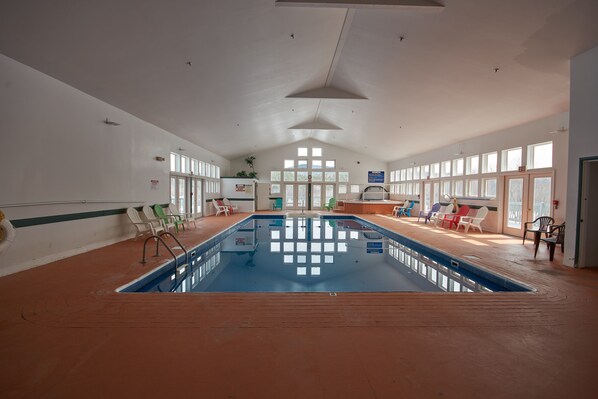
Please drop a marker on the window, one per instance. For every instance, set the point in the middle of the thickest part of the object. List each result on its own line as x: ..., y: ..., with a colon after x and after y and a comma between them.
x: 472, y: 187
x: 275, y: 188
x: 445, y: 170
x: 302, y: 151
x: 416, y: 173
x: 343, y: 177
x: 330, y: 176
x: 316, y: 176
x: 202, y: 168
x: 403, y: 175
x: 490, y: 162
x: 392, y: 175
x: 539, y: 156
x: 316, y: 152
x: 342, y: 189
x: 289, y: 164
x: 434, y: 170
x: 289, y: 176
x: 316, y: 164
x: 409, y: 174
x: 446, y: 187
x: 184, y: 164
x: 472, y: 166
x: 175, y: 162
x: 458, y: 167
x: 458, y: 188
x: 425, y: 171
x: 275, y: 175
x: 330, y: 164
x: 354, y: 188
x: 194, y: 166
x: 489, y: 188
x: 409, y: 188
x: 398, y: 175
x: 302, y: 164
x: 511, y: 159
x: 416, y: 188
x: 302, y: 176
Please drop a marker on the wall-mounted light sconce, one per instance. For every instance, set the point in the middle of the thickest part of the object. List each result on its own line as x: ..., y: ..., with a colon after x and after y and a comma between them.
x: 160, y: 159
x: 111, y: 123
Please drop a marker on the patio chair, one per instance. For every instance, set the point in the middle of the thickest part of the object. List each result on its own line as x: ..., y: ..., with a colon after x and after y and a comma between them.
x: 556, y: 235
x: 232, y: 208
x: 142, y: 227
x: 152, y: 219
x: 439, y: 216
x: 428, y: 214
x: 219, y: 207
x: 168, y: 221
x: 277, y: 204
x: 406, y: 210
x: 401, y: 208
x: 186, y: 217
x: 453, y: 219
x: 538, y: 225
x: 473, y: 221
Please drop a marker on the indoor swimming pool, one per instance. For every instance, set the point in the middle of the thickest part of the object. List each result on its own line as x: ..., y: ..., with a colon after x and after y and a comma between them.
x: 317, y: 254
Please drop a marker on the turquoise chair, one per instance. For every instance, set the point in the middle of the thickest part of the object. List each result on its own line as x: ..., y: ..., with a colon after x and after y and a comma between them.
x: 277, y: 204
x: 407, y: 210
x: 331, y: 204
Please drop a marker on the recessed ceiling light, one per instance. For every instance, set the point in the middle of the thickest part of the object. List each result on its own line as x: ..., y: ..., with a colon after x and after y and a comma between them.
x: 496, y: 69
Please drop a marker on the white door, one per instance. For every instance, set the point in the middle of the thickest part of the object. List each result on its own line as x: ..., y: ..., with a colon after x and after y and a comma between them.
x: 588, y: 221
x: 527, y: 197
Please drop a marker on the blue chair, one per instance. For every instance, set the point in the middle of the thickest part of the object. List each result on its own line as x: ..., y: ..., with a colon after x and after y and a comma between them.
x: 406, y: 211
x: 428, y: 214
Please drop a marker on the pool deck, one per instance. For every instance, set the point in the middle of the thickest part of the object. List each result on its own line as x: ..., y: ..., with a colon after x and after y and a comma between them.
x: 65, y: 332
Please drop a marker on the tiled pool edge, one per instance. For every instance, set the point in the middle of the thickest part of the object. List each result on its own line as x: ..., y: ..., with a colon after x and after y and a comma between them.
x: 508, y: 283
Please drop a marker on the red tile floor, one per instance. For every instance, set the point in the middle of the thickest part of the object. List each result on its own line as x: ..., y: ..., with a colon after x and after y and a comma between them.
x: 65, y: 332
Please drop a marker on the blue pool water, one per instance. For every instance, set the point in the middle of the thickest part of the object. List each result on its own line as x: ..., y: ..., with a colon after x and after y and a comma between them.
x: 318, y: 255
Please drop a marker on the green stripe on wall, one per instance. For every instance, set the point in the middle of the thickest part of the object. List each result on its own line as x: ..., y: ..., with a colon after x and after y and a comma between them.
x: 18, y: 223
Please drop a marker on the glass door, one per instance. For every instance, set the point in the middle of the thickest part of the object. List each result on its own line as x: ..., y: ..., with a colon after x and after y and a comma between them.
x: 427, y: 196
x: 196, y: 196
x: 328, y: 193
x: 301, y: 196
x: 295, y: 196
x: 316, y: 196
x: 526, y: 197
x: 289, y: 196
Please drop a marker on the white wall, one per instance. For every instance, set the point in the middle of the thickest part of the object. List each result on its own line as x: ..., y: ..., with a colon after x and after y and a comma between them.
x: 583, y: 136
x: 55, y: 147
x: 518, y: 136
x: 240, y: 198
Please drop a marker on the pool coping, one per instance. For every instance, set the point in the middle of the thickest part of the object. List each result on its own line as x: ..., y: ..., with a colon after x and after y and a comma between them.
x: 454, y: 263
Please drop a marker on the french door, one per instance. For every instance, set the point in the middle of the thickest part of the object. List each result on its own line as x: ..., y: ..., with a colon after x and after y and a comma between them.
x: 295, y: 196
x: 527, y: 197
x: 186, y: 194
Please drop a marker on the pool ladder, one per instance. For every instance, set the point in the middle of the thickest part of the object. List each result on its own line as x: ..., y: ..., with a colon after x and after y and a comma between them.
x: 159, y: 240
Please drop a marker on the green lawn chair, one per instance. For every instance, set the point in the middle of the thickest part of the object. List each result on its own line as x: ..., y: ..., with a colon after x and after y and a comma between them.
x: 331, y: 204
x: 168, y: 220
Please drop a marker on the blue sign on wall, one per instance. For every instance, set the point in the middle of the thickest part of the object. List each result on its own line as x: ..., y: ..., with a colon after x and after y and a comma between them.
x: 376, y: 176
x: 374, y: 247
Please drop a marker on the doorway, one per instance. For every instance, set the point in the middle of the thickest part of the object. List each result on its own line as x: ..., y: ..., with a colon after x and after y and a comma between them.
x: 295, y: 196
x: 527, y: 197
x: 587, y: 254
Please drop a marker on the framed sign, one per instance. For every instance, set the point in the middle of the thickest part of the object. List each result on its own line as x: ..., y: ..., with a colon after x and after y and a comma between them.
x: 376, y: 176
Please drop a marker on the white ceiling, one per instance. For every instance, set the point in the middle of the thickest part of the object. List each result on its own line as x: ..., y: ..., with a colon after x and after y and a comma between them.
x: 435, y: 87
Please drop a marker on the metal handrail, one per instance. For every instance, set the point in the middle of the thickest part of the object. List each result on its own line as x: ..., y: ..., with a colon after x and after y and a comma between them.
x: 178, y: 242
x: 158, y: 240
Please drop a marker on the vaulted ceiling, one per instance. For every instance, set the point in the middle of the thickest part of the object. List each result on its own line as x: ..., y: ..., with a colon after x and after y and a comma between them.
x: 233, y: 76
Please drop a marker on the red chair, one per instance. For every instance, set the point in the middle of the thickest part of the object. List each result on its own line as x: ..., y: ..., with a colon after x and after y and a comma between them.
x: 454, y: 218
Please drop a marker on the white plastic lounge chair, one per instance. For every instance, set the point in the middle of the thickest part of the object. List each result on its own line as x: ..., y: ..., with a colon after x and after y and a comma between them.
x: 143, y: 227
x: 474, y: 221
x: 220, y: 208
x: 232, y: 208
x: 439, y: 216
x: 151, y: 217
x: 186, y: 217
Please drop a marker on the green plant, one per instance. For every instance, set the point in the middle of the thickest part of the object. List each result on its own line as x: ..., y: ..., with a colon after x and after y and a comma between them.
x: 253, y: 174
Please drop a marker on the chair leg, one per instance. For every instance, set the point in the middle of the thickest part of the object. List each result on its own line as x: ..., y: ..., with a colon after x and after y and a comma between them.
x: 536, y: 249
x: 552, y: 248
x: 524, y: 234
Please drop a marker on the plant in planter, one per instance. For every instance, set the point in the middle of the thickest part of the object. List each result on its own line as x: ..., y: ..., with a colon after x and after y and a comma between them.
x: 253, y: 174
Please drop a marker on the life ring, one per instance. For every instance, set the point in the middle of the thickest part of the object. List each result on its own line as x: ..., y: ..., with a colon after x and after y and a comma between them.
x: 7, y: 233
